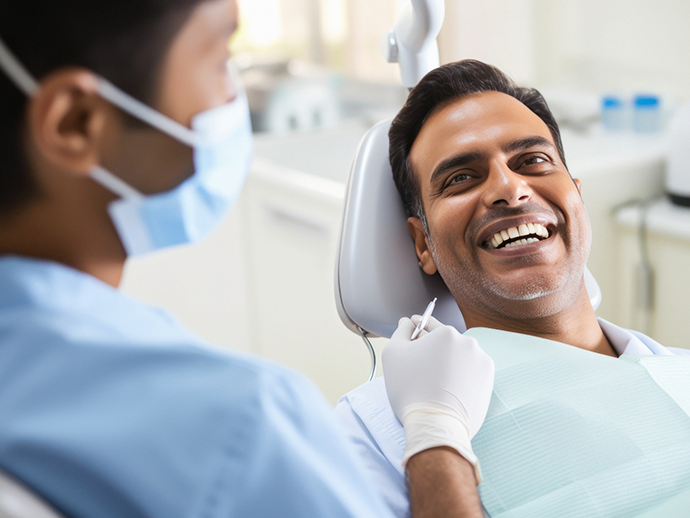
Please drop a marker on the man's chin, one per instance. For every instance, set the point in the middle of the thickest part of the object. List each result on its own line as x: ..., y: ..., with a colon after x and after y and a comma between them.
x: 528, y: 283
x: 525, y: 292
x: 538, y: 298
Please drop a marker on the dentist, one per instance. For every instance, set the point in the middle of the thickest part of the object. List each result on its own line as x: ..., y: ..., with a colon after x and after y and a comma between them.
x: 123, y: 132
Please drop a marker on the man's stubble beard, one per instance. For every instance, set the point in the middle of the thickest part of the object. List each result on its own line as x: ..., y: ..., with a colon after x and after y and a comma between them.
x: 540, y: 299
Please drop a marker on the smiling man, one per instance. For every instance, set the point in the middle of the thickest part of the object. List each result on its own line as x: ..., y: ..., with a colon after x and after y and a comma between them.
x: 493, y: 209
x: 507, y: 228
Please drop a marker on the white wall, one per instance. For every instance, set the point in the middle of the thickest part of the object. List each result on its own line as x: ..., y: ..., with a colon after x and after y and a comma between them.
x: 631, y: 45
x: 499, y: 32
x: 368, y: 21
x: 599, y: 45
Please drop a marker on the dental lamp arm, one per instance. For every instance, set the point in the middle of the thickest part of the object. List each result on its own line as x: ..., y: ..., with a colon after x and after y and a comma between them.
x: 412, y: 40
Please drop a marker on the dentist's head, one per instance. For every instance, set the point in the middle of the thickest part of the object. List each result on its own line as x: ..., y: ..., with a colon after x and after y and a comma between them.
x: 121, y: 130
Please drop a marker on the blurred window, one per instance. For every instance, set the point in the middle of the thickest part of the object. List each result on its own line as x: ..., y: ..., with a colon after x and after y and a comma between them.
x: 344, y: 35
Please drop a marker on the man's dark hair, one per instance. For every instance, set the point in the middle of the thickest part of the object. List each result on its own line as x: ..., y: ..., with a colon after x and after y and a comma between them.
x: 124, y: 41
x: 437, y: 89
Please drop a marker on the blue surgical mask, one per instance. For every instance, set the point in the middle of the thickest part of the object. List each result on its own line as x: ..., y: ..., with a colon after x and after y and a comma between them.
x: 221, y: 142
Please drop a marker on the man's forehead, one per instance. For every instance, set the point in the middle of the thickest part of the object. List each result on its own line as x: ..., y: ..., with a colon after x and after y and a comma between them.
x: 475, y: 122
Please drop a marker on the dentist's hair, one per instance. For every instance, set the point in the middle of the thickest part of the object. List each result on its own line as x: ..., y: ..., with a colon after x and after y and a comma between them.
x: 437, y: 89
x: 124, y: 41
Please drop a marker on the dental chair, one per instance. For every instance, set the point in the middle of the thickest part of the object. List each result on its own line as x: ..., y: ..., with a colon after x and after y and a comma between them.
x: 18, y: 501
x: 377, y: 276
x: 378, y: 279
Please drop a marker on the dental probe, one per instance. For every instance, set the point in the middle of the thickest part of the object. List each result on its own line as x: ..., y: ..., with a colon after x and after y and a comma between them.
x: 424, y: 320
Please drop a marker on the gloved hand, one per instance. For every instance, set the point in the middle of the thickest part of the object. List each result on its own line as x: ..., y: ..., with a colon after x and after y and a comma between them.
x: 439, y: 386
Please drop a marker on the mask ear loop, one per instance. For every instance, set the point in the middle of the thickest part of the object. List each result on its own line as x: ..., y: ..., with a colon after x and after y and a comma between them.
x: 145, y: 113
x: 16, y: 71
x: 115, y: 184
x: 27, y: 84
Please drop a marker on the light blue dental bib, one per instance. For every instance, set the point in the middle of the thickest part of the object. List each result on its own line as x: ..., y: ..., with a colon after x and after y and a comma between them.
x: 571, y: 433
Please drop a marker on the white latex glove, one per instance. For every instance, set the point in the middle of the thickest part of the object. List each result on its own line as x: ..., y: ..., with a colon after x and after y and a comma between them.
x: 439, y: 386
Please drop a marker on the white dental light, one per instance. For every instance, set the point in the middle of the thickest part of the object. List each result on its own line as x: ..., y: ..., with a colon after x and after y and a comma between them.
x: 678, y: 168
x: 412, y: 40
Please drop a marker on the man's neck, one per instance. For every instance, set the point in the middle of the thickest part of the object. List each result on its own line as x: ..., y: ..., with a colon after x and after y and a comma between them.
x: 575, y: 325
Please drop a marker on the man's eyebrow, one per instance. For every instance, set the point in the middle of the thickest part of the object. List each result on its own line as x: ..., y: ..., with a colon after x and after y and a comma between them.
x: 526, y: 143
x: 466, y: 158
x: 453, y: 163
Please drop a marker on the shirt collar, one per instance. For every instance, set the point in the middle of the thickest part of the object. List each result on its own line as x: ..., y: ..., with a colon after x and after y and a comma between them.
x: 625, y: 341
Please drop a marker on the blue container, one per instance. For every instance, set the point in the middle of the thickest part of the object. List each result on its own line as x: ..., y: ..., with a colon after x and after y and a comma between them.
x: 646, y: 114
x: 613, y: 113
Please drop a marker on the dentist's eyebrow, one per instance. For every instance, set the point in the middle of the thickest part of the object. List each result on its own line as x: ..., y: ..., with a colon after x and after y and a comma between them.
x: 526, y: 143
x: 454, y: 163
x: 230, y: 29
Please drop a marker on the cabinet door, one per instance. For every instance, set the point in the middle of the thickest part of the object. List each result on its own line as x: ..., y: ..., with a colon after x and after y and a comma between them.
x: 202, y: 284
x: 292, y: 234
x: 664, y: 316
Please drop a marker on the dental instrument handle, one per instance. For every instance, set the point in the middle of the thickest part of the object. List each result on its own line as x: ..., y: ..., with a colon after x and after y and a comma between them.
x: 424, y: 320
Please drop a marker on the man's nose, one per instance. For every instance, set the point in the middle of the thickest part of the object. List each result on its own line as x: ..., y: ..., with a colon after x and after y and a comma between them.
x: 503, y: 186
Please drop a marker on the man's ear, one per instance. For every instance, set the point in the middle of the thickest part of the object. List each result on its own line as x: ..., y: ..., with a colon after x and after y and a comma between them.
x: 421, y: 245
x: 68, y: 121
x: 578, y: 184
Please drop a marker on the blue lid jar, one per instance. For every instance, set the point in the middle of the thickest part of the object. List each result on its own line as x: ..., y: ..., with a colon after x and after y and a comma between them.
x: 646, y: 113
x: 613, y: 116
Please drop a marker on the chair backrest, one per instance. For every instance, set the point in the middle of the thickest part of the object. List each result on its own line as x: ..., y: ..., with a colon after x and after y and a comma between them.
x: 378, y: 279
x: 18, y: 501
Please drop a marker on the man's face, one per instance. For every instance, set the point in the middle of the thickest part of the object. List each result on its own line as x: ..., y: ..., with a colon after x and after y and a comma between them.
x: 508, y: 231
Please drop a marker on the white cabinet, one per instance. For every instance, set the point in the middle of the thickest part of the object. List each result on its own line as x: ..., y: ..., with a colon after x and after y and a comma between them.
x: 293, y: 226
x: 665, y: 314
x: 264, y: 281
x: 613, y: 170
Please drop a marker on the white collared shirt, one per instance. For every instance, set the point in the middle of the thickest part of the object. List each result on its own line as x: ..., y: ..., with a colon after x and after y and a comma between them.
x: 626, y: 341
x: 380, y: 444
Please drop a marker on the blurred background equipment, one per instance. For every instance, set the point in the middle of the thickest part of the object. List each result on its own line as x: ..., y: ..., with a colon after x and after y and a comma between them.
x: 319, y: 81
x: 290, y: 95
x: 678, y: 174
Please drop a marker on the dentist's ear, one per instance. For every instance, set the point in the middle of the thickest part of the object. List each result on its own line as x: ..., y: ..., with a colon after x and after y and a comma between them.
x: 421, y: 245
x: 67, y: 121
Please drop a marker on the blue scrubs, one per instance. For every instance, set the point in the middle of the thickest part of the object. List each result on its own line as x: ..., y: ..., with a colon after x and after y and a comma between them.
x: 111, y: 408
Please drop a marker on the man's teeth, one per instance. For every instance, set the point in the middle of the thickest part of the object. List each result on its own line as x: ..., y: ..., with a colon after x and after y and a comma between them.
x: 521, y: 242
x: 528, y: 232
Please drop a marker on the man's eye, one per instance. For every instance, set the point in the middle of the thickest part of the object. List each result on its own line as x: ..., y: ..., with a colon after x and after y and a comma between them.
x: 533, y: 160
x: 458, y: 178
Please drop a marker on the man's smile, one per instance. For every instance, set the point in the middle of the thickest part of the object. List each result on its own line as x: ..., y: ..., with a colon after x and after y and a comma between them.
x: 516, y: 236
x: 516, y: 232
